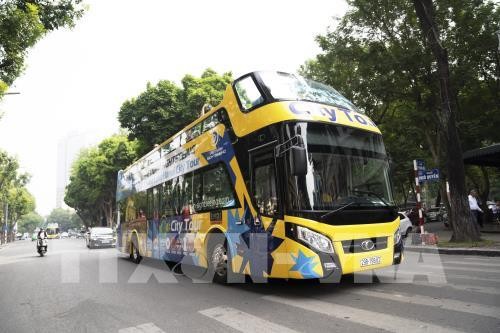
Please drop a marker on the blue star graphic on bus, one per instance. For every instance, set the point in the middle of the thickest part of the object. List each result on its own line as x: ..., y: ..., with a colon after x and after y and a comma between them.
x: 262, y: 243
x: 304, y: 265
x: 223, y: 152
x: 234, y: 230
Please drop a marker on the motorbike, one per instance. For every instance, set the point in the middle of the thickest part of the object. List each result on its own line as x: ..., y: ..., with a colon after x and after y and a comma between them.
x: 41, y: 247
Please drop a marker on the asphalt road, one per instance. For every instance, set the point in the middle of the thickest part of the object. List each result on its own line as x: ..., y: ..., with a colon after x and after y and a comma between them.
x: 74, y: 289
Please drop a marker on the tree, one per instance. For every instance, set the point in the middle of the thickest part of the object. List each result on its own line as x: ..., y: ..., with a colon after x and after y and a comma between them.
x: 464, y: 228
x: 29, y: 222
x: 164, y: 109
x: 65, y: 218
x: 377, y: 57
x: 92, y: 188
x: 22, y: 24
x: 13, y: 193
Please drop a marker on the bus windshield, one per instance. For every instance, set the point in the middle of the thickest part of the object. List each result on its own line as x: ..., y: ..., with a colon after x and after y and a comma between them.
x: 286, y: 86
x: 346, y: 166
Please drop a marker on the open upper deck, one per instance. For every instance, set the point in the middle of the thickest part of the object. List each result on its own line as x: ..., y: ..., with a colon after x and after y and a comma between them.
x: 252, y: 102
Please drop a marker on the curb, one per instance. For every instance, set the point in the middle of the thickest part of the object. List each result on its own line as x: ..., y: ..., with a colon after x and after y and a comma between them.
x: 451, y: 250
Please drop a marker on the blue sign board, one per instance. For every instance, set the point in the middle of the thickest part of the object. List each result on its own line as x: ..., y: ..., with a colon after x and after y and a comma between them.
x: 428, y: 176
x: 420, y: 165
x: 432, y: 175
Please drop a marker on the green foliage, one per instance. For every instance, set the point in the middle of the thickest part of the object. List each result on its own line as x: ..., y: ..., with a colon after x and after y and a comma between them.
x: 164, y: 109
x: 376, y: 57
x: 13, y: 190
x: 92, y: 187
x: 29, y: 222
x: 65, y: 218
x: 22, y: 24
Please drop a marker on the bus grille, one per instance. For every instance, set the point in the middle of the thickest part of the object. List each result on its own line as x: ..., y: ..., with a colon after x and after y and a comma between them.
x: 354, y: 245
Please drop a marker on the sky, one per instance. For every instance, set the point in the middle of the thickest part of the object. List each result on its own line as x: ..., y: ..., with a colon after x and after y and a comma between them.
x: 76, y: 80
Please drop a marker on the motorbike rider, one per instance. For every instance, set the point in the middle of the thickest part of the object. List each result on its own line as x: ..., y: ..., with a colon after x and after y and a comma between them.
x: 42, y: 234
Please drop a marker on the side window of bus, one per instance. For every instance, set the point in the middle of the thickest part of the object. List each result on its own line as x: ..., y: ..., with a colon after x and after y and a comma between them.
x: 183, y: 138
x: 210, y: 122
x: 248, y: 93
x: 141, y: 205
x: 168, y: 199
x: 193, y: 132
x: 264, y: 187
x: 217, y: 190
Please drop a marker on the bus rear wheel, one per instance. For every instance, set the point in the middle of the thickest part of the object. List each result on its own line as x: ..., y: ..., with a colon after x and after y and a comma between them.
x: 135, y: 255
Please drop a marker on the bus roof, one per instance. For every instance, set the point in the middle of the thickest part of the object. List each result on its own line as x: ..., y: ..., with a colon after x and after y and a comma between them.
x: 272, y: 112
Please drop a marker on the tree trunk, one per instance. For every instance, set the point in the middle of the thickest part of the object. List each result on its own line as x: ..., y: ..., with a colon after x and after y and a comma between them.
x: 464, y: 228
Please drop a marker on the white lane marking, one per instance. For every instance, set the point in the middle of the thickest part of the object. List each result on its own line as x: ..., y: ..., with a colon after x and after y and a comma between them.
x: 144, y: 328
x: 489, y: 259
x: 242, y: 321
x: 383, y: 321
x: 466, y: 269
x: 448, y: 304
x: 389, y: 276
x: 461, y: 287
x: 466, y: 264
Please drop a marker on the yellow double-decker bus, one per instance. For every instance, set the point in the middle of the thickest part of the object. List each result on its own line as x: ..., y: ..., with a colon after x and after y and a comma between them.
x: 285, y: 178
x: 53, y: 231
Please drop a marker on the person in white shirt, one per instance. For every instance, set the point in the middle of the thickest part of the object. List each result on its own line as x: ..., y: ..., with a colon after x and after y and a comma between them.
x: 474, y: 207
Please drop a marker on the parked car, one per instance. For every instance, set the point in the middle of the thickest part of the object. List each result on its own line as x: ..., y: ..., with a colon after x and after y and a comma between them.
x: 435, y: 214
x: 100, y: 237
x: 405, y: 225
x: 64, y: 234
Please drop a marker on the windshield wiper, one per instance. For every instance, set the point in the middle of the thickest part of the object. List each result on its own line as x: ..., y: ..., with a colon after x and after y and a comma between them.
x: 372, y: 194
x: 337, y: 210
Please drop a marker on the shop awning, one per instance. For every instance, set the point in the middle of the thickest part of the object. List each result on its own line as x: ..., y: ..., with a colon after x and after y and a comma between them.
x: 487, y: 156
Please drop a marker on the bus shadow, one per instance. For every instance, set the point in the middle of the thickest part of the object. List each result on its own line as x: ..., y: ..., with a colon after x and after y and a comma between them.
x: 294, y: 288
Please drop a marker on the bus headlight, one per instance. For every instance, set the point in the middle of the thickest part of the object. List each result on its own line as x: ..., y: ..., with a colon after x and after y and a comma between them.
x: 316, y: 240
x: 397, y: 236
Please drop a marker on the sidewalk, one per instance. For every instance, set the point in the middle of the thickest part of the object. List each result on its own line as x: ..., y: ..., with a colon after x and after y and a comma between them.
x: 490, y: 233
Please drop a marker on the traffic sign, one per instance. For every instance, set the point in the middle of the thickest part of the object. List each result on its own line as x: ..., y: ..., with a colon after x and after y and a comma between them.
x: 432, y: 175
x: 420, y: 165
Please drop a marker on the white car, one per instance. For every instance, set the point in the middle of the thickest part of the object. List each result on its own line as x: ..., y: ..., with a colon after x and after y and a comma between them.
x: 405, y: 226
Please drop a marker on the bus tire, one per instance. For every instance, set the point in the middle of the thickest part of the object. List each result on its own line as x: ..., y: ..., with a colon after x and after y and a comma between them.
x: 218, y: 259
x: 135, y: 255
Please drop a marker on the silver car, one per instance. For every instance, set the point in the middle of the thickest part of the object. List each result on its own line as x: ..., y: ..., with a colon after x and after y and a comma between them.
x: 100, y: 237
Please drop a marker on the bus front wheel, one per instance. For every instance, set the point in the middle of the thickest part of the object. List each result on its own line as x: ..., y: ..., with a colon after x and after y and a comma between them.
x: 218, y: 260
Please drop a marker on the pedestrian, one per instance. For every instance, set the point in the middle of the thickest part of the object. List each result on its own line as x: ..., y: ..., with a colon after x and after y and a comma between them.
x: 474, y: 207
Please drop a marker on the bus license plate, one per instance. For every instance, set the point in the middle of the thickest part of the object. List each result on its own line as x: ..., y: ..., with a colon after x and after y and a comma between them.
x: 370, y: 261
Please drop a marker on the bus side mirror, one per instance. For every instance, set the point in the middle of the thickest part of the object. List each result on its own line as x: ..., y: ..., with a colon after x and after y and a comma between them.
x: 298, y: 161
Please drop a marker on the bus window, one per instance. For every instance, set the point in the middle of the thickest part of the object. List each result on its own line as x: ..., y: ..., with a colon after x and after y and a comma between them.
x: 168, y: 199
x: 141, y: 205
x: 183, y: 138
x: 210, y: 122
x: 248, y: 93
x: 193, y: 132
x: 217, y: 190
x: 264, y: 187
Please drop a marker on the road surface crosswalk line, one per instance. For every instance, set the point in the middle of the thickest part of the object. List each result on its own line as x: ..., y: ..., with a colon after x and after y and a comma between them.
x: 467, y: 264
x: 448, y: 304
x: 466, y: 269
x: 461, y: 287
x: 144, y: 328
x: 242, y: 321
x: 372, y: 319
